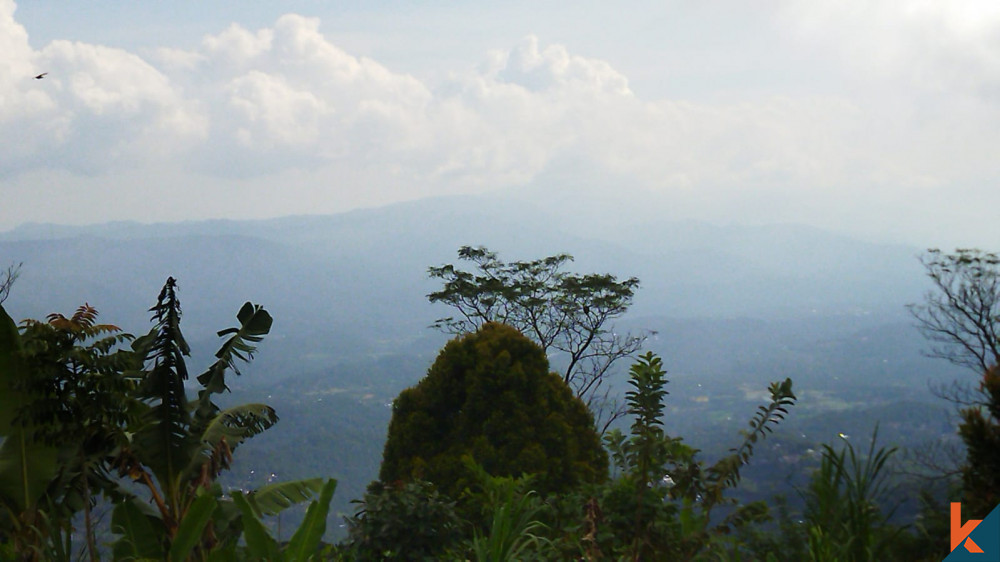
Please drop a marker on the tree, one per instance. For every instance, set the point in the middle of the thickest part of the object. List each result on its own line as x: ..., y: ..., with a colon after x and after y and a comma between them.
x: 64, y: 398
x: 980, y: 430
x: 660, y: 504
x: 961, y: 315
x: 180, y: 446
x: 560, y: 311
x: 490, y: 395
x: 81, y: 401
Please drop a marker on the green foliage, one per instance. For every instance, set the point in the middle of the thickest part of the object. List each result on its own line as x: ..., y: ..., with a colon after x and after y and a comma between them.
x: 843, y: 515
x: 137, y: 524
x: 962, y: 317
x: 181, y: 446
x: 404, y: 521
x: 980, y: 430
x: 660, y: 505
x: 274, y: 498
x: 260, y: 544
x: 726, y: 473
x: 513, y: 514
x: 191, y: 528
x: 78, y: 410
x: 65, y: 408
x: 562, y: 312
x: 307, y: 538
x: 305, y: 543
x: 490, y: 395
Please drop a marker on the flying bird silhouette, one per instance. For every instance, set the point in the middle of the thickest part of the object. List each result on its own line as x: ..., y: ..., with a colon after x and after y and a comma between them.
x: 40, y: 76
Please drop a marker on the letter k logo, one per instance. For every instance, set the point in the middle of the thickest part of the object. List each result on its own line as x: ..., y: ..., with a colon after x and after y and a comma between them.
x: 961, y: 532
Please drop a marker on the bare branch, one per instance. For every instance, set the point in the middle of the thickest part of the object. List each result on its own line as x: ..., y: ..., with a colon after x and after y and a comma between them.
x: 7, y: 279
x: 961, y: 315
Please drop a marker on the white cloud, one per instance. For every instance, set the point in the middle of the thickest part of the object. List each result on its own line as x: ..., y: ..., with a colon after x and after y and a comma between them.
x: 236, y: 47
x: 96, y: 107
x: 911, y: 111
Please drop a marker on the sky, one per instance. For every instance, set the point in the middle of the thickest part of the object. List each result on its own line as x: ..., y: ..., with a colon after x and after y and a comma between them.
x: 878, y: 119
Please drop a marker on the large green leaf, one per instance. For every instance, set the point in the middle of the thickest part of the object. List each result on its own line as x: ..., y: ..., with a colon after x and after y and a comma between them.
x: 307, y: 537
x: 259, y: 542
x: 141, y: 532
x: 232, y: 426
x: 255, y: 323
x: 274, y: 498
x: 26, y: 469
x: 10, y: 345
x: 239, y: 423
x: 191, y: 528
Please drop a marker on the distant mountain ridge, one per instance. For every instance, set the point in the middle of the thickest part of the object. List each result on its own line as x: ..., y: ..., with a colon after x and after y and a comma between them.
x: 733, y: 307
x: 687, y: 268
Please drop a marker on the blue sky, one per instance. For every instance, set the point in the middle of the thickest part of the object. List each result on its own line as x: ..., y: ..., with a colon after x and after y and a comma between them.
x: 878, y: 119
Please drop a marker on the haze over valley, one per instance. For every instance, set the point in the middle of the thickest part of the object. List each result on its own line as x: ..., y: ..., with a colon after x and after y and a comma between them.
x: 730, y: 309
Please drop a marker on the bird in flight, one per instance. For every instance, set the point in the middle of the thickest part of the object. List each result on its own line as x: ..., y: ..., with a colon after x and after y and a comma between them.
x: 40, y: 76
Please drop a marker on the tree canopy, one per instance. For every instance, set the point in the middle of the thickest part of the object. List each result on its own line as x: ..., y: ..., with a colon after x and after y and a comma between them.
x: 490, y: 395
x: 961, y: 316
x: 569, y: 313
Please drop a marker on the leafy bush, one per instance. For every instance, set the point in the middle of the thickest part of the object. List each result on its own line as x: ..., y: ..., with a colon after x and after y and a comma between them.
x: 403, y: 521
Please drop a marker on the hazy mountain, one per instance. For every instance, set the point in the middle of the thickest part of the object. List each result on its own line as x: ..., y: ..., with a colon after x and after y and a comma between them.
x: 367, y: 268
x: 731, y: 307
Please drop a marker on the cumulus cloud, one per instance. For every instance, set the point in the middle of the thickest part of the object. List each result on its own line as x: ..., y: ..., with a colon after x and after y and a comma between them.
x: 97, y: 106
x: 251, y: 105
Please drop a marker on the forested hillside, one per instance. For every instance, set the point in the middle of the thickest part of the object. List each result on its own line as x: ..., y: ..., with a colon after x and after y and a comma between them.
x: 728, y: 311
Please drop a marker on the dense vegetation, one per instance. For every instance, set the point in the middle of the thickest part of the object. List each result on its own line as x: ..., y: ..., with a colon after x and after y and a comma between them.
x: 491, y: 457
x: 84, y: 416
x: 490, y: 396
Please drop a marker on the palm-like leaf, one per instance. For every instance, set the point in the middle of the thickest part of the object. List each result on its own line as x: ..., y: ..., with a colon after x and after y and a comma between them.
x: 26, y: 468
x: 190, y: 529
x: 141, y: 531
x: 255, y: 323
x: 307, y: 537
x: 225, y: 432
x: 274, y: 498
x: 260, y: 544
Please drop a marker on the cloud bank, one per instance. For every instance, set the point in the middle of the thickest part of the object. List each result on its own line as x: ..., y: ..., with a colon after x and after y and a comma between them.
x: 280, y: 120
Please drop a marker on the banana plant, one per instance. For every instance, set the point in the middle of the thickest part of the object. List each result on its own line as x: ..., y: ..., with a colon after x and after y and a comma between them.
x: 303, y: 546
x: 181, y: 445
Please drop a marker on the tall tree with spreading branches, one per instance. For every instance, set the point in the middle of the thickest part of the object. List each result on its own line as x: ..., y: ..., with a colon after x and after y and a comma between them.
x: 563, y: 312
x: 961, y: 316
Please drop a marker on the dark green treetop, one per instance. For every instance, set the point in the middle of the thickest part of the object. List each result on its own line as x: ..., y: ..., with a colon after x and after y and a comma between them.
x: 490, y: 395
